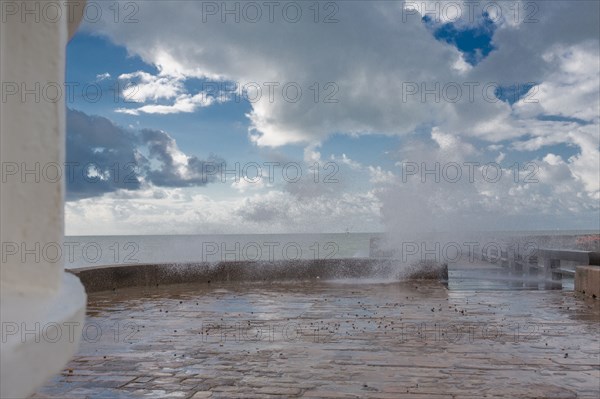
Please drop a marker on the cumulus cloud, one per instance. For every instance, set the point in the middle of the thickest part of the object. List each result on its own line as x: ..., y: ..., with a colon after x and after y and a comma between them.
x: 176, y: 168
x: 380, y: 176
x: 361, y: 95
x: 345, y: 160
x: 99, y: 153
x: 571, y: 90
x: 102, y: 76
x: 183, y: 103
x: 179, y: 211
x: 448, y: 186
x: 141, y: 86
x: 245, y: 183
x: 103, y: 158
x: 160, y: 94
x: 394, y: 78
x: 369, y: 73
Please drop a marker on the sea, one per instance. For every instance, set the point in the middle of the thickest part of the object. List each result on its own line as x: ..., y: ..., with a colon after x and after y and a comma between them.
x: 90, y: 251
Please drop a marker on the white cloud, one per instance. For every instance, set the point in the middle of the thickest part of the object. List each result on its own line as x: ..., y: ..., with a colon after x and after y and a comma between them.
x: 371, y: 70
x: 572, y: 90
x: 246, y: 183
x: 370, y: 82
x: 368, y: 89
x: 537, y: 195
x: 177, y: 211
x: 469, y: 13
x: 183, y: 103
x: 345, y: 160
x: 311, y: 155
x: 102, y: 76
x: 380, y: 176
x: 142, y: 86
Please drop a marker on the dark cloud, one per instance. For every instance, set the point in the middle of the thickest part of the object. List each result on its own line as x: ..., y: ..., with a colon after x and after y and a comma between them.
x: 95, y: 144
x: 163, y: 149
x: 103, y: 157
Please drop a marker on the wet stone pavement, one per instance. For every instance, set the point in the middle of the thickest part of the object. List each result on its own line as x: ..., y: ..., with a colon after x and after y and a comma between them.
x: 334, y: 340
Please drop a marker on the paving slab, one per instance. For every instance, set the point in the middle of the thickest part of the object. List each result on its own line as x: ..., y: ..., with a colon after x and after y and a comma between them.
x: 343, y: 339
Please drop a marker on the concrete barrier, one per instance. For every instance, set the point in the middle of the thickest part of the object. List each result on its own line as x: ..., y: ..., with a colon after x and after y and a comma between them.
x: 146, y: 275
x: 587, y: 280
x: 105, y: 278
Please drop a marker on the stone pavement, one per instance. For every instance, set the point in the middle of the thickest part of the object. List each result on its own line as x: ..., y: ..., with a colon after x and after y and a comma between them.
x: 334, y: 340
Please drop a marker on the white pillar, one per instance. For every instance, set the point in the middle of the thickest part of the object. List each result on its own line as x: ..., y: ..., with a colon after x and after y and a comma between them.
x: 42, y: 307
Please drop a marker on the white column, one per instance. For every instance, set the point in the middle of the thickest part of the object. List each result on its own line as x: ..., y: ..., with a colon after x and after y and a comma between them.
x: 42, y: 307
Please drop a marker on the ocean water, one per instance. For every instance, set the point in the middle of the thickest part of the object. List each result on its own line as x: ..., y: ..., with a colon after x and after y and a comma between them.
x: 90, y: 251
x: 87, y: 251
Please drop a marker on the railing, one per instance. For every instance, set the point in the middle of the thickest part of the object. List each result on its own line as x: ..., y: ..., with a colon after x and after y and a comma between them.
x: 534, y: 261
x: 523, y: 260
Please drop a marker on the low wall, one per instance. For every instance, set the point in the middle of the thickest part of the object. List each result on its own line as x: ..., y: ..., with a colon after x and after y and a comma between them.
x: 104, y: 278
x: 587, y: 280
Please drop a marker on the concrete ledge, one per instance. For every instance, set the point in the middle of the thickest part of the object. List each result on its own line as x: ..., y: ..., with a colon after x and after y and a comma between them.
x: 104, y: 278
x: 587, y: 280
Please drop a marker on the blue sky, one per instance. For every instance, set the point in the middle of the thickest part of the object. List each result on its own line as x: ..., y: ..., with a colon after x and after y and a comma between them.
x: 176, y: 125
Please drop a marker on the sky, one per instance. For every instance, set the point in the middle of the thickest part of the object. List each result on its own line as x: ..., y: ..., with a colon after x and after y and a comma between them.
x: 333, y: 116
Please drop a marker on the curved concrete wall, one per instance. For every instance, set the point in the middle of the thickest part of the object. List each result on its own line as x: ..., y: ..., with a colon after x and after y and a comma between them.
x: 105, y: 278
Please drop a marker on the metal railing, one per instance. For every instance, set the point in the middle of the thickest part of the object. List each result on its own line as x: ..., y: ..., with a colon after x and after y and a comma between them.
x: 518, y: 259
x: 539, y: 261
